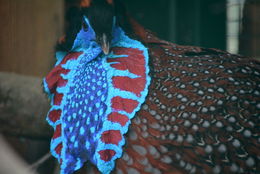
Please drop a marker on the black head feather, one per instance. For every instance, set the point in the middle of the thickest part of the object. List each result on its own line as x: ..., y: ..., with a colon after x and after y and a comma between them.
x: 100, y: 14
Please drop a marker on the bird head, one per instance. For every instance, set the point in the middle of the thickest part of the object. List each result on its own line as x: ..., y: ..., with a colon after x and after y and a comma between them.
x: 97, y: 18
x: 91, y: 23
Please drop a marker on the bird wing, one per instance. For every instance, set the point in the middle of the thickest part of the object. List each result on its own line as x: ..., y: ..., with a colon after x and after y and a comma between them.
x: 201, y: 114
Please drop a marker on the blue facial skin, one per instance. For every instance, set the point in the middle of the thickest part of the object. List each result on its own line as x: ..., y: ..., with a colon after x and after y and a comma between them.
x: 86, y: 41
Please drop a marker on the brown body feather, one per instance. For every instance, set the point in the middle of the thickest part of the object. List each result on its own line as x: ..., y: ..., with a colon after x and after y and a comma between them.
x: 201, y: 114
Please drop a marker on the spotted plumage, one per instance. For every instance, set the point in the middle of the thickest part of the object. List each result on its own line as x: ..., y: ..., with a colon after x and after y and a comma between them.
x: 200, y: 114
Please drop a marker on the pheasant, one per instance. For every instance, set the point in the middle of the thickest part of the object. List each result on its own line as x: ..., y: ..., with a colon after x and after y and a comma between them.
x: 124, y: 101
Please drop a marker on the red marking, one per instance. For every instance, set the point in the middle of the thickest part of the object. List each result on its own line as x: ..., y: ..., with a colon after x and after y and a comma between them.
x: 62, y: 82
x: 135, y: 62
x: 106, y: 155
x: 57, y: 98
x: 57, y: 132
x: 118, y: 118
x: 53, y: 79
x: 71, y: 56
x: 136, y: 85
x: 111, y: 137
x: 54, y: 115
x: 58, y: 148
x: 122, y: 104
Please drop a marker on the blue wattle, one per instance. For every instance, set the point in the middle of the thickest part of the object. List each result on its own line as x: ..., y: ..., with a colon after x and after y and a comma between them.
x: 83, y: 111
x: 87, y: 102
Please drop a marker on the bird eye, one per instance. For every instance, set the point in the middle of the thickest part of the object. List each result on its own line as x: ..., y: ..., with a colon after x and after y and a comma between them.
x: 84, y: 26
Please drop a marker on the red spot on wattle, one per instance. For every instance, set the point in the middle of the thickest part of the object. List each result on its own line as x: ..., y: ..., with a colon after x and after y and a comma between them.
x: 54, y: 115
x: 71, y: 56
x: 58, y: 148
x: 57, y: 98
x: 54, y: 79
x: 136, y: 85
x: 57, y: 132
x: 122, y: 104
x: 106, y: 155
x: 118, y: 118
x: 134, y: 62
x: 62, y: 82
x: 111, y: 137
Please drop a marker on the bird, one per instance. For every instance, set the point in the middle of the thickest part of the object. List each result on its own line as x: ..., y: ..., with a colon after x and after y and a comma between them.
x: 125, y: 101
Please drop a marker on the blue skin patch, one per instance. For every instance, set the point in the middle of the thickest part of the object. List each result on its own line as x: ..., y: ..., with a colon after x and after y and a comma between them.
x: 86, y: 101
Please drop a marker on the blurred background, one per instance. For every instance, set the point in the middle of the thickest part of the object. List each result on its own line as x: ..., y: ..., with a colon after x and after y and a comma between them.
x: 30, y: 28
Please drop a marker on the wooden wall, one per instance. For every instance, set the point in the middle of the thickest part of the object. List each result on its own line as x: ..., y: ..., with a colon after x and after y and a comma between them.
x: 29, y: 30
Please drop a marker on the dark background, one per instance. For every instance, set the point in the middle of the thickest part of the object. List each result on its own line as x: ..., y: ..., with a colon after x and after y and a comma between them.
x: 193, y: 22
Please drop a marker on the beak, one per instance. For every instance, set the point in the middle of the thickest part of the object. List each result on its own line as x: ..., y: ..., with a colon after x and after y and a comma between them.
x: 105, y: 44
